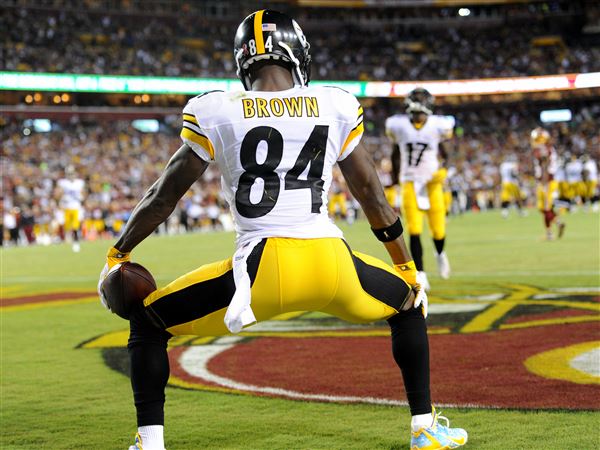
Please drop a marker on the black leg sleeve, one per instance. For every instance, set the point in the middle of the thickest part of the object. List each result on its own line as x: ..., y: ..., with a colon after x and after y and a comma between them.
x: 416, y: 250
x: 149, y: 368
x: 439, y: 245
x: 410, y: 347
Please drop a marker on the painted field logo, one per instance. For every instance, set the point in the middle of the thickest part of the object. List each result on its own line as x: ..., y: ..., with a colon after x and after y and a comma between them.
x: 486, y: 350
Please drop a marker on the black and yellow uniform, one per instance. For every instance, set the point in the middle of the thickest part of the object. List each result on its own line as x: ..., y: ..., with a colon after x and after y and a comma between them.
x: 436, y: 214
x: 287, y: 275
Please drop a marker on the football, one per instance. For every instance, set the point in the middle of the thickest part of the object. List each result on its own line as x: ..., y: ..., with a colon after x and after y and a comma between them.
x: 126, y: 286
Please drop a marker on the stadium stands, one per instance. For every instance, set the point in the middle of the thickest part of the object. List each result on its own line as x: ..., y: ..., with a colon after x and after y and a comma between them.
x: 346, y: 45
x: 171, y: 38
x: 118, y: 163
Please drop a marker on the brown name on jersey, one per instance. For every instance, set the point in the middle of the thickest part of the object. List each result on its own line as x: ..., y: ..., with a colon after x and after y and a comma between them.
x: 277, y: 107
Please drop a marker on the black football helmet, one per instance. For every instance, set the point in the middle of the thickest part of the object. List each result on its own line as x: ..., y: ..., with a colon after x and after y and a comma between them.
x: 419, y: 100
x: 271, y: 35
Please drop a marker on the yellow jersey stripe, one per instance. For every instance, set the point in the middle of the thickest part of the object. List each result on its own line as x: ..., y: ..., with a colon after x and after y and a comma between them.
x: 357, y: 131
x: 190, y: 118
x: 258, y: 33
x: 199, y: 139
x: 360, y: 111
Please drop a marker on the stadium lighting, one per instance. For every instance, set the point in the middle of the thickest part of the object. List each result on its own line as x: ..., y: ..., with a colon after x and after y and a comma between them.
x: 146, y: 125
x: 556, y: 115
x: 23, y: 81
x: 38, y: 125
x: 464, y: 12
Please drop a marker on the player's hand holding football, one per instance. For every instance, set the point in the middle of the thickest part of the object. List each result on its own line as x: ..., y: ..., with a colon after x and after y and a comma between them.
x: 408, y: 272
x: 114, y: 259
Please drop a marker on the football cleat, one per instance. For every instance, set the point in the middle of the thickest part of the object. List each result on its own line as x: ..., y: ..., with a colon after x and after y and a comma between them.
x: 422, y: 280
x: 443, y: 265
x: 137, y: 444
x: 438, y: 436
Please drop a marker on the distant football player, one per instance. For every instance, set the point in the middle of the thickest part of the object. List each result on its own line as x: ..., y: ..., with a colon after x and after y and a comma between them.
x: 276, y: 145
x: 420, y: 148
x: 71, y: 192
x: 574, y: 176
x: 545, y: 165
x: 389, y: 180
x: 563, y: 202
x: 590, y: 179
x: 337, y: 196
x: 511, y: 192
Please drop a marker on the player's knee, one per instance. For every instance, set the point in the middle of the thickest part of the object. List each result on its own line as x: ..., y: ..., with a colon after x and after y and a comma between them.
x: 144, y: 329
x: 404, y: 316
x: 438, y: 234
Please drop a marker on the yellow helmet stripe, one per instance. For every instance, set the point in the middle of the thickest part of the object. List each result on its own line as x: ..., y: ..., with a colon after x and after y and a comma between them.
x: 258, y: 33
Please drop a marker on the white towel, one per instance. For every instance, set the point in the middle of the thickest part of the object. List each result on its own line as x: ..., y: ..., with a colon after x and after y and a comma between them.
x: 239, y: 313
x: 422, y: 195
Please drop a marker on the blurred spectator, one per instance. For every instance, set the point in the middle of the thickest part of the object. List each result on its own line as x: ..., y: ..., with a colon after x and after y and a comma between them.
x: 118, y: 163
x: 346, y: 44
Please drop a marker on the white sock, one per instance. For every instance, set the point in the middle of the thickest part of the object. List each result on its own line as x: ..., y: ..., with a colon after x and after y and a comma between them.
x: 421, y: 421
x: 152, y: 437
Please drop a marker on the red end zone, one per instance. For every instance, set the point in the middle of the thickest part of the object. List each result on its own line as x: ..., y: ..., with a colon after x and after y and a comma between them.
x: 483, y: 369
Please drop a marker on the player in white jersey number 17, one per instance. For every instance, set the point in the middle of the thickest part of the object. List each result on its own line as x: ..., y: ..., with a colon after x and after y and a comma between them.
x: 419, y: 139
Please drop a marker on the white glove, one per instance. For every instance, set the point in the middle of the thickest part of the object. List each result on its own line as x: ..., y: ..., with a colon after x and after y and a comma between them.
x: 114, y: 259
x: 105, y: 271
x: 421, y: 299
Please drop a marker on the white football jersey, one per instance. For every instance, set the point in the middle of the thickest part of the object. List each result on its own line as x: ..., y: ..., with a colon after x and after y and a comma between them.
x: 72, y: 193
x: 276, y: 152
x: 592, y: 170
x: 547, y: 152
x: 574, y: 171
x: 418, y: 147
x: 508, y: 172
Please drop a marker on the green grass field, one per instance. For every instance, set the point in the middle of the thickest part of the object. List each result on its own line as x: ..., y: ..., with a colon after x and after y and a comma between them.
x: 57, y: 396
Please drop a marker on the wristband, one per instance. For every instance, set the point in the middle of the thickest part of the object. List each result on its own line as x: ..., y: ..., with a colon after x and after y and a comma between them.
x: 115, y: 256
x: 407, y: 266
x: 390, y: 233
x: 408, y: 272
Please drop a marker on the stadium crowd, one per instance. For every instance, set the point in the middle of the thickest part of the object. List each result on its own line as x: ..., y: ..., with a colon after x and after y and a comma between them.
x: 77, y: 40
x: 136, y: 37
x: 117, y: 163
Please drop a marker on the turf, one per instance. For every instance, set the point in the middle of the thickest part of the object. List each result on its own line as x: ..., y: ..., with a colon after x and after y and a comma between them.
x: 57, y: 396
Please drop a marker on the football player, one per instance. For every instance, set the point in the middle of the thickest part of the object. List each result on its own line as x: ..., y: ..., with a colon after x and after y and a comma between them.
x: 71, y: 193
x: 420, y: 145
x: 590, y: 177
x: 276, y: 144
x: 511, y: 192
x: 337, y: 196
x: 545, y: 165
x: 574, y: 175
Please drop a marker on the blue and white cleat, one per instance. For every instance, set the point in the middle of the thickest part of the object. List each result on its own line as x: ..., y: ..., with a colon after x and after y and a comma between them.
x: 138, y: 443
x: 438, y: 436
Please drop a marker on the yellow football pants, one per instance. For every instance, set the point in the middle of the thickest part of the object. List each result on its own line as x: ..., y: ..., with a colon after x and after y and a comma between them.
x: 72, y: 221
x: 577, y: 189
x: 436, y: 214
x: 546, y: 195
x: 510, y: 192
x: 287, y: 275
x: 590, y: 189
x: 391, y: 195
x: 337, y: 202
